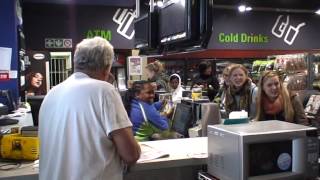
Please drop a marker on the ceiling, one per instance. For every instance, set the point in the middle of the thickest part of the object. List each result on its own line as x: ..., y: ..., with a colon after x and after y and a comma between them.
x: 284, y: 4
x: 117, y: 3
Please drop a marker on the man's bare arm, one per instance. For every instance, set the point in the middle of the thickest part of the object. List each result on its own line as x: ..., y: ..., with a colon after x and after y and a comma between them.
x: 127, y: 147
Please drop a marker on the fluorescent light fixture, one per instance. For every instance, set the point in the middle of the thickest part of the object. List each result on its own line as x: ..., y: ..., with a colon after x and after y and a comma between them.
x: 318, y: 12
x: 242, y: 8
x: 248, y: 8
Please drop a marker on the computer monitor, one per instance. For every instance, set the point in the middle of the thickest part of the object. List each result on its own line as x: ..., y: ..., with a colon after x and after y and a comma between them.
x: 186, y: 93
x: 193, y: 29
x: 10, y: 105
x: 195, y: 108
x: 7, y: 99
x: 35, y: 103
x: 182, y: 119
x: 146, y: 32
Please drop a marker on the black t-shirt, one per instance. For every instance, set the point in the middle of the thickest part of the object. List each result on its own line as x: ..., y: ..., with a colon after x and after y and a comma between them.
x: 210, y: 84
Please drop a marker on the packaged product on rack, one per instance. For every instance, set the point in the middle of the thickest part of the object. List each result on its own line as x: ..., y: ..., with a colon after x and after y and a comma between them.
x: 291, y: 63
x: 296, y: 82
x: 279, y: 63
x: 313, y: 105
x: 259, y: 66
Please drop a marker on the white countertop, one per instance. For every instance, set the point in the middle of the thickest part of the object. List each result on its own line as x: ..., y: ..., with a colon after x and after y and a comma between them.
x: 182, y: 152
x: 25, y: 119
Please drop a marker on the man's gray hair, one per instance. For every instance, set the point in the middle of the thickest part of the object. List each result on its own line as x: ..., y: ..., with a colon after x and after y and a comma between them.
x: 93, y: 54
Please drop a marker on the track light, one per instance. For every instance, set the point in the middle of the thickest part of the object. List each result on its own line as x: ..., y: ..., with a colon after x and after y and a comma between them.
x: 318, y: 12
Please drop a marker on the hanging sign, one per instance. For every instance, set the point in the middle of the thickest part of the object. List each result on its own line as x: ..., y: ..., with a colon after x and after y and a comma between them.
x: 135, y: 65
x: 264, y: 30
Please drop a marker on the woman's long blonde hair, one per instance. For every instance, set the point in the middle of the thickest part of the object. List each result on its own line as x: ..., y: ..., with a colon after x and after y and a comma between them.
x: 288, y: 109
x: 156, y: 67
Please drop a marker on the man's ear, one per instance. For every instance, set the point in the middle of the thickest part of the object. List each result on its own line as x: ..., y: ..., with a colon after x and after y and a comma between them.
x: 110, y: 78
x: 107, y: 72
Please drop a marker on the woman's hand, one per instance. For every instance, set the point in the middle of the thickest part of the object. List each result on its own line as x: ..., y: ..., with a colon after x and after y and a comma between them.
x: 167, y: 113
x: 198, y: 86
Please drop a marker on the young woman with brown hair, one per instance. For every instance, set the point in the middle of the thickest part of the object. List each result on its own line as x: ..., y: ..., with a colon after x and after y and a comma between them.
x: 241, y: 93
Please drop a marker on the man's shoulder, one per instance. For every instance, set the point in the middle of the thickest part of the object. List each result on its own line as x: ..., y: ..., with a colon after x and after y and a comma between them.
x: 86, y: 86
x: 97, y: 85
x: 103, y: 84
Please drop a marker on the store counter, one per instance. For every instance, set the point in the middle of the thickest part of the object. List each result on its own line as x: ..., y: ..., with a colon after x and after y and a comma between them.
x: 186, y: 157
x: 25, y: 119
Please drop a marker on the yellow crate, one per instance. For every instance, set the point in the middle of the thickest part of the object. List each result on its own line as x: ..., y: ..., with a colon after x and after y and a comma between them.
x: 15, y: 146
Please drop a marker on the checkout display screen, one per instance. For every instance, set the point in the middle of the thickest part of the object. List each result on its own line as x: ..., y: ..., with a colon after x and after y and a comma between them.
x: 270, y: 157
x: 181, y: 119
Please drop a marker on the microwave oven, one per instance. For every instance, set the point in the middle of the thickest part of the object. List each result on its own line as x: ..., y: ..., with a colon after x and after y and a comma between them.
x: 263, y: 150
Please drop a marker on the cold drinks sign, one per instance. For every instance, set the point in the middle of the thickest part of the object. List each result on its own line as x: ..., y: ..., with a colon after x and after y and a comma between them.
x: 243, y: 38
x: 264, y: 30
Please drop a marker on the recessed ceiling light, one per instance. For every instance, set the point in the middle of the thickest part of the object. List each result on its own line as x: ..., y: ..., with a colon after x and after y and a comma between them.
x: 248, y: 8
x: 159, y: 3
x: 242, y: 8
x: 318, y: 11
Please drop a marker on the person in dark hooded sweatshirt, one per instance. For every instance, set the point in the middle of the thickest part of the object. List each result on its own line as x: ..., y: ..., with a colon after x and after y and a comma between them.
x: 206, y: 80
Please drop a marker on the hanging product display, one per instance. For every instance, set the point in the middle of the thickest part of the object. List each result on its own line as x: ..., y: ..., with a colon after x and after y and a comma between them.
x: 291, y: 63
x: 312, y: 111
x: 316, y: 70
x: 294, y: 69
x: 296, y: 82
x: 259, y: 66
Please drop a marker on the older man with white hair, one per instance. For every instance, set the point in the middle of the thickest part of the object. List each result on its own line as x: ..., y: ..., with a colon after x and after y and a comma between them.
x: 84, y: 130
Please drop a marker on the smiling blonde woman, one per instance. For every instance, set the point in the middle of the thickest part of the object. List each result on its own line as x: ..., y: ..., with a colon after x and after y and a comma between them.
x: 274, y: 102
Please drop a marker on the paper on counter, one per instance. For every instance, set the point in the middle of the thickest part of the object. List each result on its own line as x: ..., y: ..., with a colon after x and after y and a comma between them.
x: 198, y: 155
x: 5, y: 58
x: 150, y: 153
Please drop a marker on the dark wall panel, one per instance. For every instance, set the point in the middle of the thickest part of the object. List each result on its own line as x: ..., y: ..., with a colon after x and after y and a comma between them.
x: 9, y: 39
x: 69, y: 21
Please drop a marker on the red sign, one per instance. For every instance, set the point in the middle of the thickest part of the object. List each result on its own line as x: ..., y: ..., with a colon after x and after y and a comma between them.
x: 4, y: 76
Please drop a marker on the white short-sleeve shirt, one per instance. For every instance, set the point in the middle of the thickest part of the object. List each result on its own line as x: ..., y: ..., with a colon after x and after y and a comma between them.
x: 75, y: 120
